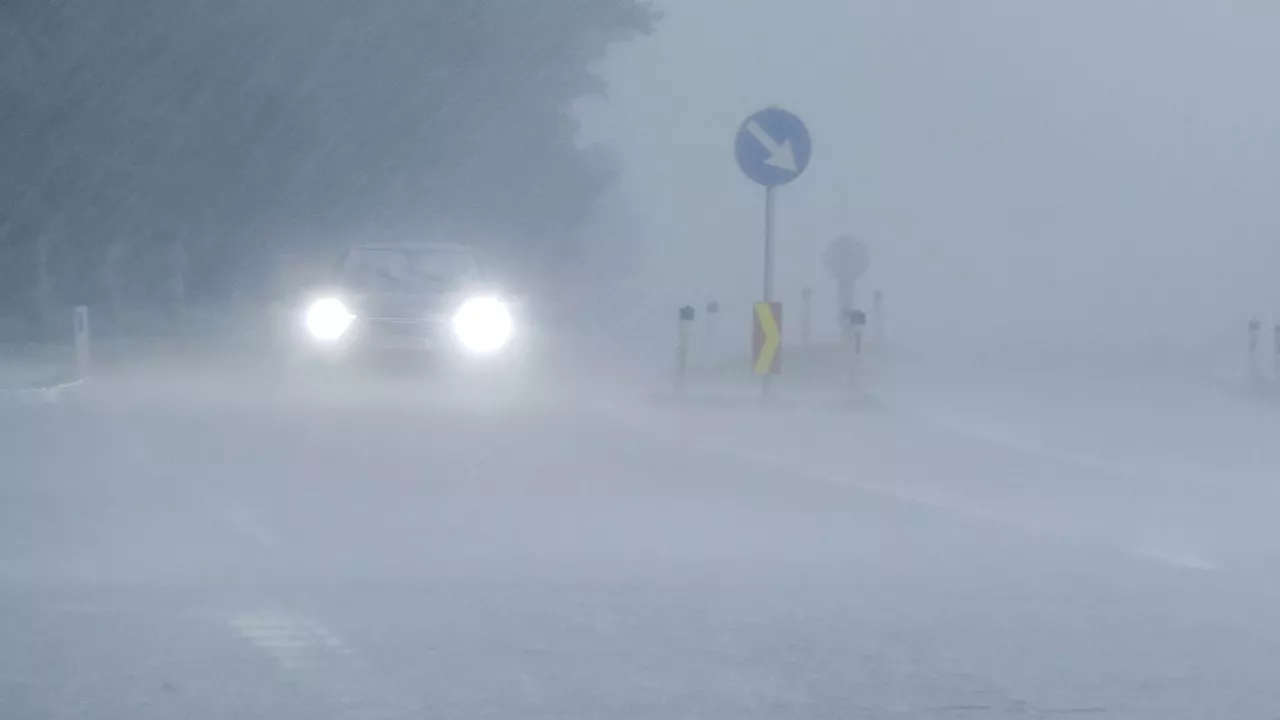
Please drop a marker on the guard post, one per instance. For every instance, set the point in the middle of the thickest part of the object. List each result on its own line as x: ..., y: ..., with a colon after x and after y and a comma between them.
x: 713, y: 317
x: 853, y: 322
x: 682, y: 348
x: 80, y: 328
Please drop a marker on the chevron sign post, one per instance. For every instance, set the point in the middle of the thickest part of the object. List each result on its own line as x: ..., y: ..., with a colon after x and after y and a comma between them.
x: 766, y: 338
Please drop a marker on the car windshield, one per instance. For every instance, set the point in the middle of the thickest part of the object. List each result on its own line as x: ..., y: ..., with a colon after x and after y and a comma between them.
x: 392, y: 269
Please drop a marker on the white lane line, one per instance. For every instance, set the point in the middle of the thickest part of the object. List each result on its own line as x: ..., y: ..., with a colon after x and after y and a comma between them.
x: 1186, y: 559
x: 1088, y: 461
x: 931, y: 500
x: 1180, y: 559
x: 298, y: 643
x: 322, y: 660
x: 47, y: 393
x: 281, y: 637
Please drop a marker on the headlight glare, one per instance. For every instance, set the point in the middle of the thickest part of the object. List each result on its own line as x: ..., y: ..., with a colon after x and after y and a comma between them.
x: 483, y: 325
x: 327, y: 319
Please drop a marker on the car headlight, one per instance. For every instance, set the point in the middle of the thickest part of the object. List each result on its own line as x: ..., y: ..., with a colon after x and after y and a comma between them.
x: 483, y: 325
x: 327, y: 319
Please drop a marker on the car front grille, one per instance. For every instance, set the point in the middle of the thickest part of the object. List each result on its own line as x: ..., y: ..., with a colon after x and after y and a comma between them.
x: 402, y: 328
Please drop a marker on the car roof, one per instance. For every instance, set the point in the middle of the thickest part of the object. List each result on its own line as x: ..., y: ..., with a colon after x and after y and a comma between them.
x: 451, y: 247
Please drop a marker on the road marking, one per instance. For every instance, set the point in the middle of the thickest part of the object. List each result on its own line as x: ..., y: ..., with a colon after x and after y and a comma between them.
x: 1178, y: 558
x: 931, y: 500
x: 327, y: 665
x: 281, y: 636
x: 298, y: 643
x: 48, y: 393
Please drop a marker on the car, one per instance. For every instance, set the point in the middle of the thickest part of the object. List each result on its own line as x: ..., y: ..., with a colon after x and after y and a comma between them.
x: 418, y: 299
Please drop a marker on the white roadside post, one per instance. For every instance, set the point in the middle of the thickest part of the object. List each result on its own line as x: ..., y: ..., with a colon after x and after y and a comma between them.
x: 806, y: 317
x: 854, y: 323
x: 1255, y: 329
x: 682, y: 348
x: 80, y: 325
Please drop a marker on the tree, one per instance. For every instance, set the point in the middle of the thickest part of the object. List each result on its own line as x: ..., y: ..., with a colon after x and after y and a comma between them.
x: 218, y: 123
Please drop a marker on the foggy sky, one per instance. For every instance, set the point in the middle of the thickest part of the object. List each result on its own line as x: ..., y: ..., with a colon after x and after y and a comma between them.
x: 1072, y: 170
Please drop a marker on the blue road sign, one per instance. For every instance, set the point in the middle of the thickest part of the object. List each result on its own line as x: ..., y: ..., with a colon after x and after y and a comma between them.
x: 773, y: 147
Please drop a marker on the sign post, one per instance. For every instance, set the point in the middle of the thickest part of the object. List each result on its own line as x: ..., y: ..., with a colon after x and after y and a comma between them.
x: 768, y: 244
x: 846, y: 260
x: 773, y: 148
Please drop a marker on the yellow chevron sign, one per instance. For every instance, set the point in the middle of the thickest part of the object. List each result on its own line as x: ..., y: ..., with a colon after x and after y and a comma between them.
x: 766, y: 338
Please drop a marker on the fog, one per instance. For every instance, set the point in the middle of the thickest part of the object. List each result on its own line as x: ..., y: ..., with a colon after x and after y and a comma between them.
x: 265, y: 473
x: 1075, y: 171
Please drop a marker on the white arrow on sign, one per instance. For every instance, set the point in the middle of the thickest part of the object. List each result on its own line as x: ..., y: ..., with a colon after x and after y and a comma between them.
x: 780, y: 156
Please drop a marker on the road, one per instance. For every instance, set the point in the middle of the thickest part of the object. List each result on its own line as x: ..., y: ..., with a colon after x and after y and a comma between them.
x: 261, y: 555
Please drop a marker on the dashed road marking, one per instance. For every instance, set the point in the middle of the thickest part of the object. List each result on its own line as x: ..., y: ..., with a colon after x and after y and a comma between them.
x: 323, y: 661
x: 291, y: 641
x: 306, y: 648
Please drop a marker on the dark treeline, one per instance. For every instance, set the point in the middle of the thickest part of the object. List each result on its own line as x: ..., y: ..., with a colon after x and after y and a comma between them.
x: 153, y: 149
